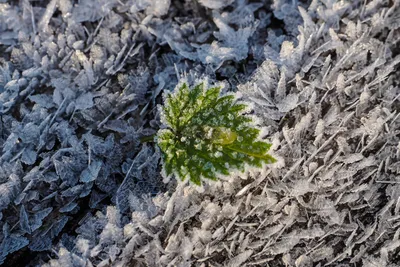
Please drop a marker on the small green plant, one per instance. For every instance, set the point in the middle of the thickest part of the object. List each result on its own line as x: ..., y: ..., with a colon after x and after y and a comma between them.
x: 207, y: 134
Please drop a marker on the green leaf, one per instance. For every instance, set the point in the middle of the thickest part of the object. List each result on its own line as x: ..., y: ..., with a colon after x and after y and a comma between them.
x: 207, y: 135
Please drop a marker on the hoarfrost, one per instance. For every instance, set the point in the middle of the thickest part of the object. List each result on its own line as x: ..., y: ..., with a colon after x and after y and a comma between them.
x: 79, y: 85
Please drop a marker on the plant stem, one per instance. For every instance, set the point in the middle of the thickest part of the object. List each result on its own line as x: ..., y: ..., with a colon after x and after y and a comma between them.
x: 149, y: 138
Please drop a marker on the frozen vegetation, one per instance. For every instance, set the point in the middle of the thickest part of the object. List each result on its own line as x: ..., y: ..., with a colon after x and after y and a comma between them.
x: 81, y: 86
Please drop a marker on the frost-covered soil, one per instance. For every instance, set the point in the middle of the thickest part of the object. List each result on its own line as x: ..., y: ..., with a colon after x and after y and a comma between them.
x: 80, y: 82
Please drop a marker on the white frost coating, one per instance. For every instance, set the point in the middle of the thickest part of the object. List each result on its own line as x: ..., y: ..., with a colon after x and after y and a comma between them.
x: 44, y: 21
x: 170, y: 205
x: 218, y: 154
x: 264, y: 132
x: 303, y: 125
x: 288, y: 103
x: 215, y: 4
x: 319, y: 129
x: 240, y: 259
x: 281, y: 89
x: 199, y: 189
x: 158, y: 8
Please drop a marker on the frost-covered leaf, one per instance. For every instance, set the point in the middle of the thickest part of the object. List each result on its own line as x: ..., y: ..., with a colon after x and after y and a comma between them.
x: 69, y: 207
x: 91, y: 172
x: 84, y: 101
x: 124, y: 191
x: 240, y: 259
x: 43, y: 100
x: 12, y: 139
x: 24, y: 221
x: 29, y: 156
x: 91, y: 10
x: 288, y: 103
x: 95, y: 198
x: 11, y: 244
x: 9, y: 190
x: 36, y: 220
x: 30, y: 133
x: 43, y: 239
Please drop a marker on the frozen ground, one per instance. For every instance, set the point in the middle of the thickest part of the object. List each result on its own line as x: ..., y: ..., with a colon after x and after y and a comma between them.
x: 80, y: 82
